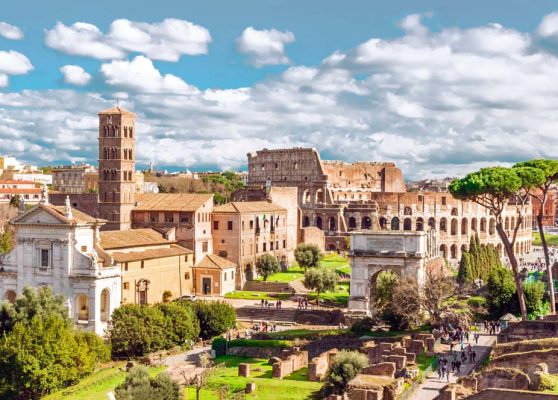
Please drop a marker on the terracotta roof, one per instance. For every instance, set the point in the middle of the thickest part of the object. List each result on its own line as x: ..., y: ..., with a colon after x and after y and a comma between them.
x: 173, y: 250
x: 171, y: 201
x: 20, y: 191
x: 211, y: 261
x: 248, y: 207
x: 131, y: 238
x: 14, y: 181
x: 116, y: 110
x: 59, y: 212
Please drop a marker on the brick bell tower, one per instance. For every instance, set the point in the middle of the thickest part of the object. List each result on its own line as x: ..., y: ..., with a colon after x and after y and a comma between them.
x: 117, y: 186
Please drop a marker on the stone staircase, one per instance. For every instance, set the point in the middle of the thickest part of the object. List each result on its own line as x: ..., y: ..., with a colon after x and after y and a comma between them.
x: 269, y: 287
x: 289, y: 315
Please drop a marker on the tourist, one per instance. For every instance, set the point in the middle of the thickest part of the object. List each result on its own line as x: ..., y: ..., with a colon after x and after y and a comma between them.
x: 451, y: 347
x: 473, y: 356
x: 439, y: 371
x: 262, y: 303
x: 447, y: 376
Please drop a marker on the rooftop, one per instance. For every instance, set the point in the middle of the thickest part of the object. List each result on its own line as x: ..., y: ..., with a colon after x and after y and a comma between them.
x: 131, y: 238
x: 149, y: 254
x: 211, y: 261
x: 15, y: 182
x: 171, y: 201
x: 248, y: 207
x: 59, y: 212
x: 116, y: 110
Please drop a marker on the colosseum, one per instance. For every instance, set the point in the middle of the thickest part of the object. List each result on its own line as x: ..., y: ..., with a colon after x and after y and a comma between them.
x: 339, y: 197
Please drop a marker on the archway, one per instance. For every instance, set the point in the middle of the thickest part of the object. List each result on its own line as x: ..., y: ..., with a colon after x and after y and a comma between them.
x: 507, y: 224
x: 407, y: 224
x: 306, y: 196
x: 331, y: 247
x: 305, y: 221
x: 453, y: 251
x: 443, y: 225
x: 454, y: 211
x: 319, y: 222
x: 474, y: 225
x: 432, y: 223
x: 483, y: 225
x: 492, y: 228
x: 142, y: 288
x: 319, y: 196
x: 420, y: 224
x: 366, y: 223
x: 82, y: 302
x: 394, y: 224
x: 105, y: 305
x: 10, y: 296
x: 464, y: 226
x: 331, y: 224
x: 444, y: 251
x: 352, y: 223
x: 454, y: 226
x: 383, y: 223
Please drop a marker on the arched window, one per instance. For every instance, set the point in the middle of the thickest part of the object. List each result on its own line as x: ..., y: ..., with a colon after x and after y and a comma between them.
x: 444, y: 251
x: 331, y: 224
x: 454, y: 211
x: 492, y: 228
x: 507, y: 223
x: 319, y: 196
x: 443, y: 225
x: 383, y: 223
x: 453, y: 251
x: 474, y: 225
x: 454, y: 226
x: 464, y: 226
x: 306, y: 197
x: 420, y: 224
x: 131, y: 132
x: 407, y: 224
x: 394, y: 224
x: 352, y: 223
x: 483, y: 225
x: 82, y: 304
x: 319, y: 222
x: 305, y: 221
x: 432, y: 223
x: 366, y: 223
x: 105, y: 305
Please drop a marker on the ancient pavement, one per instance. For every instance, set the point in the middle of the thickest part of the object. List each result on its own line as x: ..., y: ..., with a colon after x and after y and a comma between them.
x: 428, y: 390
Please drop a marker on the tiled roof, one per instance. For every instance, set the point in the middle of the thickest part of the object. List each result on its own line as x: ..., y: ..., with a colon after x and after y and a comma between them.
x: 116, y: 110
x: 211, y: 261
x: 78, y: 216
x: 20, y: 191
x: 173, y: 250
x: 131, y: 238
x: 171, y: 201
x: 15, y: 182
x: 59, y: 212
x: 248, y: 207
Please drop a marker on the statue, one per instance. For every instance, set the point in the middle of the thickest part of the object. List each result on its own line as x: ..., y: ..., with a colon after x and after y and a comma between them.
x: 68, y: 208
x: 94, y: 259
x: 44, y: 195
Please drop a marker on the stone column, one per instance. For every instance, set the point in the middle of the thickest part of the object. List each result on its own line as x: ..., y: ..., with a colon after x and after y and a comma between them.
x: 94, y: 314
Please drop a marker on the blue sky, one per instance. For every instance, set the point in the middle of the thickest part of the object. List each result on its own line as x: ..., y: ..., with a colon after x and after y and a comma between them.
x: 329, y: 85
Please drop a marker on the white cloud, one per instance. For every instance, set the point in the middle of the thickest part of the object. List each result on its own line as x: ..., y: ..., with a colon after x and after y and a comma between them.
x: 141, y: 75
x: 548, y: 28
x: 13, y: 63
x: 166, y: 41
x: 265, y: 47
x: 75, y: 75
x: 10, y: 31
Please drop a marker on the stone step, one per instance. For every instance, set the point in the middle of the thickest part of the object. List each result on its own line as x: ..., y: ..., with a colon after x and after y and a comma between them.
x: 269, y: 287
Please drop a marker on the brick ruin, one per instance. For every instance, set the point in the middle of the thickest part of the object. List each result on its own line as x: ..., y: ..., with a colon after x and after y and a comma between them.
x: 290, y: 362
x: 338, y: 197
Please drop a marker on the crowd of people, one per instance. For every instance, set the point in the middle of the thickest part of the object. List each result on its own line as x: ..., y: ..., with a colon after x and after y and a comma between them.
x: 269, y: 304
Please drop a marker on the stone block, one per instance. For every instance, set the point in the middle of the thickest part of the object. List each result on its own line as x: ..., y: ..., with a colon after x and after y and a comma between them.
x: 430, y: 342
x: 244, y: 369
x: 417, y: 347
x: 385, y: 347
x: 406, y: 341
x: 400, y: 361
x: 250, y: 387
x: 381, y: 369
x: 400, y: 351
x: 411, y: 357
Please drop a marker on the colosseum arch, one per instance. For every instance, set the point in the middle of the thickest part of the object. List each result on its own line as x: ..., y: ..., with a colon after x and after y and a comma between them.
x: 492, y: 227
x: 443, y: 225
x: 444, y: 251
x: 366, y: 222
x: 331, y: 224
x: 394, y: 225
x: 383, y: 223
x: 464, y: 226
x: 407, y: 224
x: 483, y: 225
x: 474, y: 225
x: 507, y: 224
x: 432, y: 223
x: 319, y: 222
x: 454, y: 226
x: 420, y: 224
x: 352, y: 223
x: 320, y: 196
x: 305, y: 221
x: 306, y: 197
x: 454, y: 211
x: 453, y: 251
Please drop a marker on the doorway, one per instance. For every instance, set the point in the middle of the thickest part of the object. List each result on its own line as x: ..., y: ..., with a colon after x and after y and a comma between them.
x: 206, y: 286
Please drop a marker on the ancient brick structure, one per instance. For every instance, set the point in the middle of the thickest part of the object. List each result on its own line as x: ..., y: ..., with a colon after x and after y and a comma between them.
x: 318, y: 366
x: 338, y: 197
x: 290, y: 364
x: 117, y: 185
x: 244, y: 369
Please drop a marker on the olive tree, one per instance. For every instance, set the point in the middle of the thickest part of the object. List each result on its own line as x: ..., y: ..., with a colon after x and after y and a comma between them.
x: 550, y: 171
x: 321, y: 280
x: 267, y: 265
x: 495, y: 188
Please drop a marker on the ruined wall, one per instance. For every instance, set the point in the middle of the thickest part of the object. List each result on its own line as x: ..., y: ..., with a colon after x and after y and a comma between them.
x: 290, y: 364
x: 522, y: 330
x: 499, y: 394
x: 318, y: 366
x: 312, y: 235
x: 370, y: 176
x: 527, y: 362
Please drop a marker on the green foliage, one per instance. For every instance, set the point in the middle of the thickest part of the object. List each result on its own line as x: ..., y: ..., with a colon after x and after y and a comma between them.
x: 6, y: 241
x: 385, y: 284
x: 219, y: 344
x: 534, y: 298
x: 184, y: 327
x: 15, y: 200
x: 267, y: 265
x: 363, y: 326
x: 477, y: 262
x: 44, y: 354
x: 320, y: 279
x: 346, y: 366
x: 140, y: 386
x: 215, y: 317
x: 307, y: 255
x: 500, y: 292
x: 167, y: 295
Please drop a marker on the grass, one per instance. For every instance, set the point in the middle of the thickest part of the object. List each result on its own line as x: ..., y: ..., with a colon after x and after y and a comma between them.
x: 476, y: 301
x: 423, y: 362
x: 333, y: 261
x: 339, y: 298
x: 247, y: 295
x: 549, y: 383
x: 292, y: 274
x: 551, y: 240
x: 293, y: 387
x: 97, y: 385
x: 395, y: 333
x: 309, y: 334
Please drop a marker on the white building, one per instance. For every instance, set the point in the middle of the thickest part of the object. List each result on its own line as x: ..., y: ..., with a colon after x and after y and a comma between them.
x: 57, y: 246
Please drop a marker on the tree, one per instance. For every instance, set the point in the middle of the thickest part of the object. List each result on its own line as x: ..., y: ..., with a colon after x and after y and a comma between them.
x: 267, y: 265
x: 437, y: 290
x: 550, y: 170
x: 215, y: 317
x: 15, y: 200
x: 321, y: 280
x: 346, y: 365
x: 184, y: 327
x: 307, y: 255
x: 495, y: 188
x: 406, y: 303
x: 200, y: 379
x: 500, y: 291
x: 385, y: 284
x: 138, y: 385
x: 6, y: 241
x: 534, y: 298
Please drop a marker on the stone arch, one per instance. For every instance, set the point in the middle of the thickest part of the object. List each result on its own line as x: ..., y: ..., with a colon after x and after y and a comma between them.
x: 142, y: 288
x: 374, y: 279
x: 464, y: 226
x: 453, y: 251
x: 383, y: 223
x: 407, y: 211
x: 331, y: 247
x: 352, y: 223
x: 420, y: 224
x: 454, y: 226
x: 105, y: 305
x: 443, y: 225
x: 306, y: 196
x: 432, y: 223
x: 407, y: 224
x: 474, y: 225
x: 366, y: 223
x: 319, y: 196
x: 305, y: 221
x: 82, y: 308
x: 394, y: 225
x: 10, y: 296
x: 319, y: 222
x: 444, y: 251
x: 483, y: 225
x: 332, y: 224
x: 492, y: 226
x: 507, y: 224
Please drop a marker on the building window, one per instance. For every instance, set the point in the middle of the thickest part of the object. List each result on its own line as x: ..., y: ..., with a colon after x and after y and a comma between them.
x: 284, y: 243
x: 443, y: 200
x: 252, y: 224
x: 186, y: 275
x: 183, y: 219
x: 229, y: 225
x: 225, y: 276
x: 125, y: 266
x: 126, y: 285
x: 215, y: 225
x: 169, y: 218
x: 264, y: 247
x: 153, y: 217
x: 271, y: 246
x: 44, y: 258
x: 204, y: 247
x: 242, y: 224
x: 142, y: 264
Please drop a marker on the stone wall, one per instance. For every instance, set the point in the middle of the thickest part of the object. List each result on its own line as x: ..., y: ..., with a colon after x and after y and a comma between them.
x: 255, y: 352
x: 522, y: 330
x: 313, y: 235
x: 500, y: 394
x: 290, y: 364
x: 527, y: 362
x: 503, y: 378
x: 524, y: 346
x: 318, y: 366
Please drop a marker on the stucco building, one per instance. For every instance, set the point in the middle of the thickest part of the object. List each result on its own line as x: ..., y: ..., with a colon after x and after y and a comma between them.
x: 25, y: 190
x: 214, y: 276
x: 338, y: 198
x: 242, y: 231
x: 78, y: 178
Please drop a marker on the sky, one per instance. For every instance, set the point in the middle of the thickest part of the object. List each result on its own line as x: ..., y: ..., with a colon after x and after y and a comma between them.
x: 438, y: 87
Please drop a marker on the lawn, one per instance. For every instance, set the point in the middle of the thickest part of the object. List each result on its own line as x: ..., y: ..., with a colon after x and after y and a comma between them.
x: 339, y: 298
x: 293, y: 273
x: 551, y: 240
x: 293, y: 387
x: 247, y: 295
x: 97, y: 385
x: 334, y: 261
x: 310, y: 334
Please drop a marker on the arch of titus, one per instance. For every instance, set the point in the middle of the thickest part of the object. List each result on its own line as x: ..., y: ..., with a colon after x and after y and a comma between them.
x: 407, y: 254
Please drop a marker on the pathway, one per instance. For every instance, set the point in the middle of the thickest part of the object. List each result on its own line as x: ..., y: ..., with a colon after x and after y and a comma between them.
x: 428, y: 390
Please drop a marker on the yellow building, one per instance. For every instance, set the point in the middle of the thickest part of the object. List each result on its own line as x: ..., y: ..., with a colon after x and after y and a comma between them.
x: 151, y: 265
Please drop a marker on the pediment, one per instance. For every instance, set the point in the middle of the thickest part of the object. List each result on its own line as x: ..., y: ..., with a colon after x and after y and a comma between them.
x: 39, y: 216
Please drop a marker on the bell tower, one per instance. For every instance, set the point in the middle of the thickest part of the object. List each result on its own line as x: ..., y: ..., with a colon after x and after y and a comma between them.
x: 117, y: 186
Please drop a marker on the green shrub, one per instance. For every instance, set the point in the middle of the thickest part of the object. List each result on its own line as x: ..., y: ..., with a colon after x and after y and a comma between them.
x: 534, y: 298
x: 219, y: 345
x: 280, y: 344
x: 346, y: 366
x: 215, y: 317
x: 363, y: 326
x: 476, y: 301
x: 139, y: 385
x: 184, y: 327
